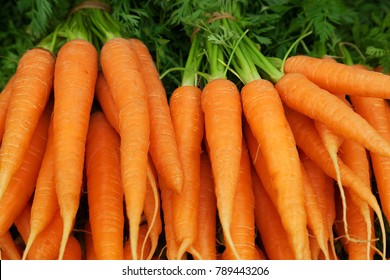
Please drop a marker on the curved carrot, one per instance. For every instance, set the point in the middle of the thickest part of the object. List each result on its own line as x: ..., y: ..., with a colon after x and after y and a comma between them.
x: 340, y: 78
x: 302, y: 95
x: 105, y: 192
x: 188, y: 122
x: 264, y: 113
x: 5, y: 96
x: 163, y: 147
x: 121, y: 68
x: 205, y: 242
x: 45, y: 202
x: 243, y: 226
x: 22, y: 184
x: 30, y: 94
x: 220, y: 97
x: 8, y: 248
x: 74, y: 85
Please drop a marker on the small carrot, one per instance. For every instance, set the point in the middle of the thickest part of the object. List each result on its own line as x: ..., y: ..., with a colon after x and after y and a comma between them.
x: 5, y: 96
x: 8, y: 248
x: 319, y: 104
x: 121, y: 68
x: 340, y: 78
x: 22, y: 184
x: 188, y: 122
x: 74, y: 85
x: 143, y: 247
x: 105, y: 192
x: 205, y: 242
x: 163, y: 147
x: 30, y: 93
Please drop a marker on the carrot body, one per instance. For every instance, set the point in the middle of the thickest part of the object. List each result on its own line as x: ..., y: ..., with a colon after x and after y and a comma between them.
x: 127, y: 255
x: 90, y: 253
x: 105, y: 192
x: 188, y: 123
x: 339, y: 78
x: 163, y: 147
x: 8, y: 248
x: 30, y: 94
x: 5, y: 96
x: 74, y: 85
x: 302, y: 95
x: 243, y: 226
x: 205, y: 242
x: 72, y: 249
x: 264, y: 113
x: 22, y: 184
x: 121, y: 68
x: 222, y: 109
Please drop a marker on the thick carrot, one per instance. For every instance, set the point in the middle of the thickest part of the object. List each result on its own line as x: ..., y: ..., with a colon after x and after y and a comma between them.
x: 308, y: 140
x: 74, y: 85
x: 220, y: 97
x: 300, y: 94
x: 45, y: 202
x: 5, y: 96
x: 163, y: 147
x: 8, y: 248
x: 105, y: 192
x: 30, y: 94
x: 339, y: 78
x: 243, y: 225
x: 264, y: 113
x: 188, y: 122
x: 205, y: 242
x: 22, y: 184
x: 121, y: 68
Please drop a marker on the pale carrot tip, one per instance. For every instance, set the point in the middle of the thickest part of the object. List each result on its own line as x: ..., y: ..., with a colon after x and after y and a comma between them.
x: 184, y: 245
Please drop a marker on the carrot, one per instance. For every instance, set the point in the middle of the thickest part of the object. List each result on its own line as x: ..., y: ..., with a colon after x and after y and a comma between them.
x: 163, y: 147
x: 74, y: 85
x: 45, y: 202
x: 73, y: 249
x: 264, y: 113
x: 105, y: 192
x: 243, y: 226
x: 121, y: 68
x: 30, y: 93
x: 143, y: 247
x: 5, y: 96
x: 90, y: 253
x: 309, y: 141
x: 8, y: 248
x: 319, y: 104
x: 188, y: 122
x: 220, y: 97
x: 205, y: 242
x: 22, y: 184
x: 339, y: 78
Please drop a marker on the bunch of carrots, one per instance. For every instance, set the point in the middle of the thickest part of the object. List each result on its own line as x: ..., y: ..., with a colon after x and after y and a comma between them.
x: 245, y: 160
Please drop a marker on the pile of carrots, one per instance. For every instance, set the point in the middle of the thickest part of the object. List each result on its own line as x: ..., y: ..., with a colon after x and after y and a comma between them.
x: 264, y: 169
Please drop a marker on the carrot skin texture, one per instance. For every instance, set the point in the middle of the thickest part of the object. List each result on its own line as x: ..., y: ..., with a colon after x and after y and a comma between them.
x: 264, y: 113
x: 188, y: 122
x: 223, y: 126
x: 8, y: 249
x: 121, y: 67
x: 30, y: 93
x: 163, y: 147
x: 5, y: 97
x: 22, y: 184
x: 318, y: 104
x: 105, y: 192
x: 339, y: 78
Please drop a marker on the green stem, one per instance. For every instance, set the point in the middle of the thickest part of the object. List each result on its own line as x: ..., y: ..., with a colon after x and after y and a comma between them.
x: 105, y: 27
x: 193, y: 63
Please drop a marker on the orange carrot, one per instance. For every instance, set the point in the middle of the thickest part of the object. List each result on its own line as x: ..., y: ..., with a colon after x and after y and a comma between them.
x: 121, y: 68
x: 220, y: 97
x: 188, y: 122
x: 205, y: 242
x: 90, y: 253
x: 8, y: 248
x: 105, y: 192
x: 319, y: 104
x: 243, y: 226
x: 22, y: 184
x: 72, y: 249
x: 339, y: 78
x: 5, y: 96
x: 45, y: 202
x: 30, y: 93
x: 264, y: 113
x: 143, y: 248
x: 163, y: 147
x: 74, y: 85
